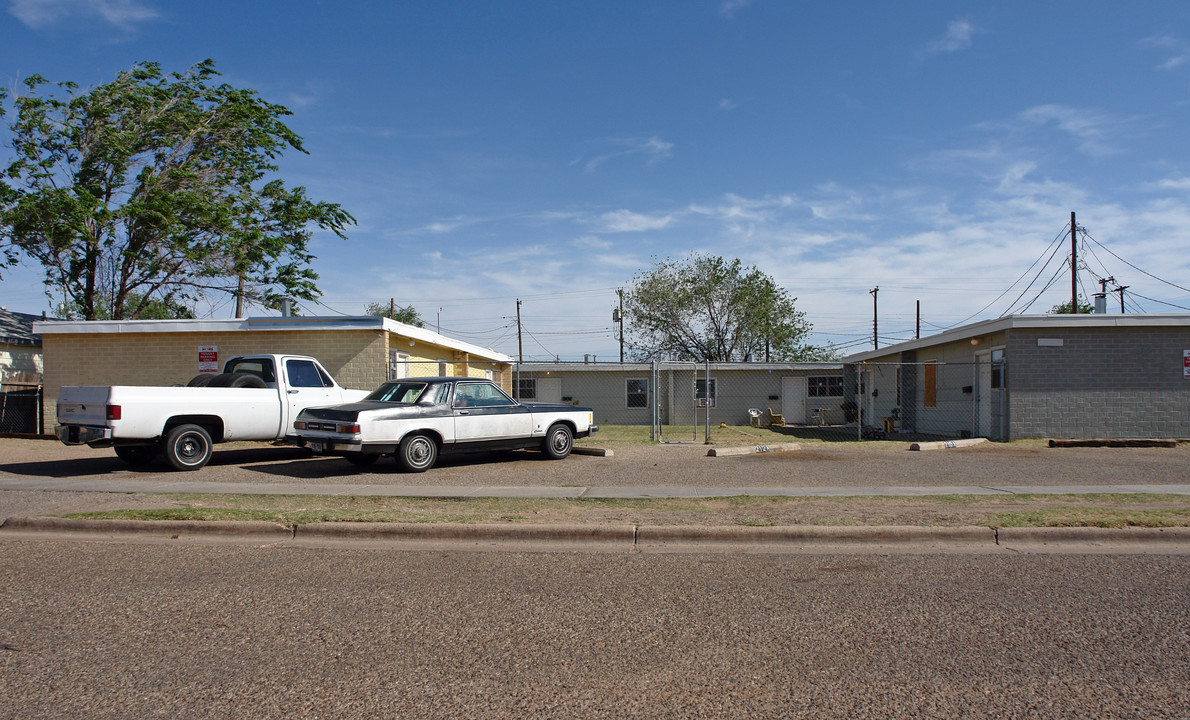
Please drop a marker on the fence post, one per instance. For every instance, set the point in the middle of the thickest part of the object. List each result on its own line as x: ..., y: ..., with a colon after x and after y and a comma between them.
x: 859, y: 402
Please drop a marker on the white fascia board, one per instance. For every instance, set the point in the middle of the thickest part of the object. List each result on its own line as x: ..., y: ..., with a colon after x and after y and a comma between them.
x: 667, y: 365
x: 101, y: 327
x: 1048, y: 322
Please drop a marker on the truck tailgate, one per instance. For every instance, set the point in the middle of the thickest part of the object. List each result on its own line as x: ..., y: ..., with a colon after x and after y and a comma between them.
x: 83, y: 405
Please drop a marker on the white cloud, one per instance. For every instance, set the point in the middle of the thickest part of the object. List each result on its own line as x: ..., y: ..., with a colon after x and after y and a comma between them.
x: 1179, y: 50
x: 652, y: 149
x: 957, y: 37
x: 727, y: 104
x: 628, y: 221
x: 123, y: 14
x: 1084, y: 125
x: 728, y: 8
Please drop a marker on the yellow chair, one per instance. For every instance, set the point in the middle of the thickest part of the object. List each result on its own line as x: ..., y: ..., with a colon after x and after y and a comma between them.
x: 776, y: 419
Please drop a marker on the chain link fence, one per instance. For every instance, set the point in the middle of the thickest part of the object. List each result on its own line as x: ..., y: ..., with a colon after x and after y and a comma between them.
x: 831, y: 401
x: 21, y: 409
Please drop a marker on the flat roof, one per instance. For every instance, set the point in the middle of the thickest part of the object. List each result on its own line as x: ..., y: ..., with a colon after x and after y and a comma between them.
x: 272, y: 324
x: 1014, y: 322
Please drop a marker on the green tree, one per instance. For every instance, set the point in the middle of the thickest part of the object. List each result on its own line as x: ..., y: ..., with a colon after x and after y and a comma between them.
x: 708, y: 308
x: 407, y: 314
x: 158, y: 188
x: 150, y: 310
x: 1064, y: 308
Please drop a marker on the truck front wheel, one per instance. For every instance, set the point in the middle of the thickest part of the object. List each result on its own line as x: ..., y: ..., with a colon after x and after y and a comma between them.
x: 188, y: 447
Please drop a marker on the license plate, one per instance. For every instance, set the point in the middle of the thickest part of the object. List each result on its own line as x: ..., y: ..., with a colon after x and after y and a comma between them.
x: 316, y: 446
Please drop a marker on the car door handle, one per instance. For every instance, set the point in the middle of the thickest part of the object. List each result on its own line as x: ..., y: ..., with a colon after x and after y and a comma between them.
x: 292, y: 392
x: 464, y: 412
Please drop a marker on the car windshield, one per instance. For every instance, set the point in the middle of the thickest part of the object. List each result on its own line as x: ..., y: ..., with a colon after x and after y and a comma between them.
x: 398, y: 392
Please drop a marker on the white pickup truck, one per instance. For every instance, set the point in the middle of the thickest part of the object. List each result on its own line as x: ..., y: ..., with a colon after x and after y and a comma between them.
x: 256, y: 397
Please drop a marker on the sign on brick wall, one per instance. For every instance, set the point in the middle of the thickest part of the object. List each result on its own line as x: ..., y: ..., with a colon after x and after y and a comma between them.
x: 208, y: 358
x: 1186, y: 364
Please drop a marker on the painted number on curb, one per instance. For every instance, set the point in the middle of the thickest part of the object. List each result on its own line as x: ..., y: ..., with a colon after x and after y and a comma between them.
x: 762, y: 448
x: 950, y: 444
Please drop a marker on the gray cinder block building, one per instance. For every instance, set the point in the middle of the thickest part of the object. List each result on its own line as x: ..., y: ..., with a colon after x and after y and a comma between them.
x: 1022, y: 376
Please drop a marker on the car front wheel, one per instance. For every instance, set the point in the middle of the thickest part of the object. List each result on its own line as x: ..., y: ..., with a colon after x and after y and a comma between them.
x: 558, y: 441
x: 417, y: 453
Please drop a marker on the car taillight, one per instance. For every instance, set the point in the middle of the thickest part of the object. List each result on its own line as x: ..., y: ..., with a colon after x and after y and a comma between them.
x: 114, y: 412
x: 347, y: 429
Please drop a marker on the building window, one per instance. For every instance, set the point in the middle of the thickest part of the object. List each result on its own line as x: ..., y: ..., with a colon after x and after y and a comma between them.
x: 527, y: 389
x: 997, y: 369
x: 824, y: 386
x: 704, y: 398
x: 637, y: 392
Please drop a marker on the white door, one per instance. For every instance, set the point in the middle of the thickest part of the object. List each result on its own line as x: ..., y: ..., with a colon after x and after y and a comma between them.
x: 549, y: 390
x: 793, y: 400
x: 984, y: 399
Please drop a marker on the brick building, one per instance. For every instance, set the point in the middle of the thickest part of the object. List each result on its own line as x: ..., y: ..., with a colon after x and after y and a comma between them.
x: 360, y: 352
x: 1022, y: 376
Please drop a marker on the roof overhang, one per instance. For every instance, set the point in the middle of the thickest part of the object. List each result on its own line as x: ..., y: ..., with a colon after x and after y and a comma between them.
x: 269, y: 324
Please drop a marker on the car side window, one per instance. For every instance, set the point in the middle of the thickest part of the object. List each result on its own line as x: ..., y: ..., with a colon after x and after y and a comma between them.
x: 480, y: 395
x: 304, y: 373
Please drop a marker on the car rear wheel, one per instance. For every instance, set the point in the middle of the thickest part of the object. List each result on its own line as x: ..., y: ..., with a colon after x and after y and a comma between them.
x: 361, y: 460
x: 558, y: 441
x: 417, y: 453
x: 188, y: 447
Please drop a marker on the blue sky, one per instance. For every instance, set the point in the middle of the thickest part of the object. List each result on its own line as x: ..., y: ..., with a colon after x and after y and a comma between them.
x: 549, y: 151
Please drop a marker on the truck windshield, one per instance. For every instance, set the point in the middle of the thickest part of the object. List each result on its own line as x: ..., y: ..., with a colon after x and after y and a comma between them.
x: 398, y: 392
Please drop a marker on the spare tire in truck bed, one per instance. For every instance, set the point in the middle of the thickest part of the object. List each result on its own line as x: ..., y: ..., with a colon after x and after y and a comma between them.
x: 237, y: 380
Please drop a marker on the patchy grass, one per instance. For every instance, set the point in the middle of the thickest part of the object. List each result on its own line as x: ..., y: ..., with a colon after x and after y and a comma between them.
x: 1074, y: 516
x: 1093, y: 510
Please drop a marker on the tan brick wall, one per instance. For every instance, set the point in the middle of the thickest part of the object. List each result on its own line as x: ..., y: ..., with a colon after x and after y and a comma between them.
x: 357, y: 359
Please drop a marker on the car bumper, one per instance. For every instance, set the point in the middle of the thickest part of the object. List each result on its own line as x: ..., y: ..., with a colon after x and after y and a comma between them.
x: 83, y: 434
x: 326, y: 445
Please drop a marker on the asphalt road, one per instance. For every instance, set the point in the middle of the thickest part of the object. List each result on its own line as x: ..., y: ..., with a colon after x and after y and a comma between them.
x: 91, y: 629
x: 667, y: 465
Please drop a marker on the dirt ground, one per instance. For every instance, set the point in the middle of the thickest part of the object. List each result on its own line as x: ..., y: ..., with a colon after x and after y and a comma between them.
x: 815, y: 465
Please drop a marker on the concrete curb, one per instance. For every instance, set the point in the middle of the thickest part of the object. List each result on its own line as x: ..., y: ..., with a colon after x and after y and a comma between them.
x: 1061, y: 535
x: 630, y: 536
x: 752, y: 449
x: 455, y: 531
x: 172, y: 528
x: 598, y: 452
x: 948, y: 444
x: 816, y: 534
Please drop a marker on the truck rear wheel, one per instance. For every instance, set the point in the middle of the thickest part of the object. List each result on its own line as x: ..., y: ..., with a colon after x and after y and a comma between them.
x: 188, y: 447
x: 417, y: 453
x: 137, y: 454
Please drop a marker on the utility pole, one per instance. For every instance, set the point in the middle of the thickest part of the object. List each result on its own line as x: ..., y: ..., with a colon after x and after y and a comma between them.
x: 1073, y: 264
x: 620, y: 292
x: 1120, y: 289
x: 875, y: 335
x: 392, y: 308
x: 917, y: 331
x: 520, y: 348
